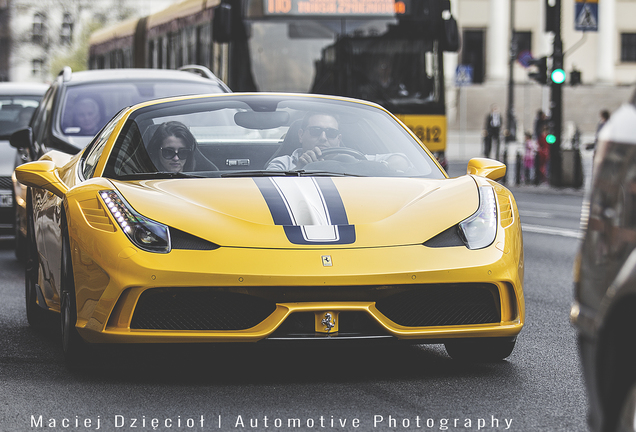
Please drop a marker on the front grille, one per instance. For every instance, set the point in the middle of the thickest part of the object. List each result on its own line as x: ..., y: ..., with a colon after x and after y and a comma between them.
x: 6, y: 183
x: 441, y: 305
x: 198, y: 309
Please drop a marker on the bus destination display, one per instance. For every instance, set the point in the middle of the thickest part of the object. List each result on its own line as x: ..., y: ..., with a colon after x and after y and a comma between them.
x: 336, y: 7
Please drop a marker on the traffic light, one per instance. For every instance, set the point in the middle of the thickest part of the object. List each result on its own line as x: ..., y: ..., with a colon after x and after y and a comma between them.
x: 550, y: 138
x: 552, y: 16
x: 540, y: 74
x: 558, y: 74
x: 575, y: 77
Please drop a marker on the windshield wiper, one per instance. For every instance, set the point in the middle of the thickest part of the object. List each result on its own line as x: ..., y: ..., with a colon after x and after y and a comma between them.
x: 294, y: 173
x: 156, y: 175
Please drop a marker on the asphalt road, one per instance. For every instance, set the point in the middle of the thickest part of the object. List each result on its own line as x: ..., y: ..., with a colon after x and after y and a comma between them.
x: 323, y: 388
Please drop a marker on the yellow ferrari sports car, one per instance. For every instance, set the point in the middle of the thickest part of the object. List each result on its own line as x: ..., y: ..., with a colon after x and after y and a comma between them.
x: 259, y: 217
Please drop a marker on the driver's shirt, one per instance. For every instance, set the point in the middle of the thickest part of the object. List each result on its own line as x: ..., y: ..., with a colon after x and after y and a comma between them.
x: 289, y: 162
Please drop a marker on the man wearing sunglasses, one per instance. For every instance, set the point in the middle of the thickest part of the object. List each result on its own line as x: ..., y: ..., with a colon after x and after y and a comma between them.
x: 319, y: 132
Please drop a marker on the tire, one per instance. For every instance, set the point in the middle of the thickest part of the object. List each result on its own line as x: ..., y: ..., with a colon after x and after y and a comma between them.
x: 627, y: 416
x: 480, y: 349
x: 20, y: 241
x: 75, y: 350
x: 36, y: 315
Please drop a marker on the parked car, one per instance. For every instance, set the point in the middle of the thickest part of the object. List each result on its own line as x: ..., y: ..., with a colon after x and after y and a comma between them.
x: 191, y: 219
x: 605, y: 278
x: 78, y: 104
x: 18, y: 101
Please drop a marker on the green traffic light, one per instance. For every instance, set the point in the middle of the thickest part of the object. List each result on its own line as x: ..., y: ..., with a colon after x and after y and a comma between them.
x: 550, y: 139
x: 558, y: 76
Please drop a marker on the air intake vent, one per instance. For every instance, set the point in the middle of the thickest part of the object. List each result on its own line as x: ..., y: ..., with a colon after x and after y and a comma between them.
x: 198, y: 309
x: 506, y: 215
x: 183, y: 240
x: 442, y: 305
x: 96, y: 215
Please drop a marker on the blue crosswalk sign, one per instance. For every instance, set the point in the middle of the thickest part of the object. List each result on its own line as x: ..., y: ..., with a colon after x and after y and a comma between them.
x: 586, y: 15
x: 464, y: 75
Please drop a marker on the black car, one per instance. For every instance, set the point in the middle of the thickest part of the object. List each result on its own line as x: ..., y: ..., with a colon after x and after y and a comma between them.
x: 605, y: 278
x: 78, y: 104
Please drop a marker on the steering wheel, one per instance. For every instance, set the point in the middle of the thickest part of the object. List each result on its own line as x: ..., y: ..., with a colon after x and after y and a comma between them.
x: 347, y: 154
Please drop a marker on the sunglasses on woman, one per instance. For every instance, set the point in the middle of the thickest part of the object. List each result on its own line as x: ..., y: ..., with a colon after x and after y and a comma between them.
x: 316, y: 131
x: 169, y: 153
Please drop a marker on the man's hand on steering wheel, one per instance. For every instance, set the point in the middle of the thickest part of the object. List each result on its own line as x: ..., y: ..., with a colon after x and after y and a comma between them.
x: 309, y: 156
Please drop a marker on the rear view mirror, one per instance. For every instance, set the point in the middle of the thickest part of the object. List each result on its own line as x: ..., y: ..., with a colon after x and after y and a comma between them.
x: 261, y: 120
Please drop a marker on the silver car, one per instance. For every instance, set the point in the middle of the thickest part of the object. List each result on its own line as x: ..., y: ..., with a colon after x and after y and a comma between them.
x: 18, y: 102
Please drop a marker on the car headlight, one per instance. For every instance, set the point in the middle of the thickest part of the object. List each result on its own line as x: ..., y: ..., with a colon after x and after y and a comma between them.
x: 479, y: 230
x: 145, y: 233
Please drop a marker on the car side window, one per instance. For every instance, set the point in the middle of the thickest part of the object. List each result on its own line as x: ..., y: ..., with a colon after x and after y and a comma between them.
x: 96, y: 149
x: 44, y: 111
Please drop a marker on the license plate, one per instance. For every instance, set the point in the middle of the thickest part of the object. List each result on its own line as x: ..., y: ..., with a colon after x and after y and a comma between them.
x: 6, y: 199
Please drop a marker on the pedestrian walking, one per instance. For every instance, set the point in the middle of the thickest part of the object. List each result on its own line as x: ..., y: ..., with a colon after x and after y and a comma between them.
x: 492, y: 131
x: 540, y: 120
x: 542, y: 158
x: 530, y: 147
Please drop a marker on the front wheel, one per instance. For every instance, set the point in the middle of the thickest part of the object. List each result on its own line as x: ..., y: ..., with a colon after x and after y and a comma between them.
x: 627, y: 417
x: 36, y: 315
x: 480, y: 349
x: 73, y: 346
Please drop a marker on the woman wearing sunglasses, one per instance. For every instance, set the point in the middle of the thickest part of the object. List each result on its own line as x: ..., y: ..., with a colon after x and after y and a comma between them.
x: 172, y: 148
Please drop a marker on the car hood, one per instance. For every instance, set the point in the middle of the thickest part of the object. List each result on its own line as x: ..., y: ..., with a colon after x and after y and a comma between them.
x: 306, y: 211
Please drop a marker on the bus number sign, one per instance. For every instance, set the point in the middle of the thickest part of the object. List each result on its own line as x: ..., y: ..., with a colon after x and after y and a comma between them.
x: 336, y: 7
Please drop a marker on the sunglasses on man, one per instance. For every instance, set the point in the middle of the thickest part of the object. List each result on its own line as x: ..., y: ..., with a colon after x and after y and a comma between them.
x: 316, y: 131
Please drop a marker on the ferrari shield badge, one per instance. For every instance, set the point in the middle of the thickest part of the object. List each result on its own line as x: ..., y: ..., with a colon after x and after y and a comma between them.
x: 326, y: 261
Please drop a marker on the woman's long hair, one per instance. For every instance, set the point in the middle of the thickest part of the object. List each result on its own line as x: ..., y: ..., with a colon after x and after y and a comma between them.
x: 177, y: 130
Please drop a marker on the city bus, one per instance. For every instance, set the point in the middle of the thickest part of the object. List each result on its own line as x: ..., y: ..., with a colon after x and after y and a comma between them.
x: 385, y: 51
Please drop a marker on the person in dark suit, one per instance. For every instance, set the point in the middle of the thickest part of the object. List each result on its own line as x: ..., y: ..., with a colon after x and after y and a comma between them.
x: 492, y: 131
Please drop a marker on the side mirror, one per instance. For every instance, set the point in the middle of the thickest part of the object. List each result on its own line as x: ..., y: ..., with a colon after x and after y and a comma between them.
x: 450, y: 41
x: 485, y: 167
x: 222, y: 23
x: 41, y: 174
x: 22, y: 139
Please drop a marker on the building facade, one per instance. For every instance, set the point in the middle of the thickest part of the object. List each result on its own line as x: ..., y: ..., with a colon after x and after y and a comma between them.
x: 604, y: 55
x: 43, y: 30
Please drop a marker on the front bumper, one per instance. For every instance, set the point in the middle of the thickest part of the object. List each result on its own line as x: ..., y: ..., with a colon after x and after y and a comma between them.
x: 294, y: 284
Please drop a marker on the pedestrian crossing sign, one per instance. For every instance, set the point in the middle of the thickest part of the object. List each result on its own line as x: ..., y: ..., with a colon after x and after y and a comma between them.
x: 464, y: 75
x: 586, y: 15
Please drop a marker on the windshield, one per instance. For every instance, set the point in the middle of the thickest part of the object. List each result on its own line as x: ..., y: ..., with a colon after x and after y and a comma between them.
x: 375, y: 59
x: 87, y: 108
x: 16, y: 112
x: 265, y: 135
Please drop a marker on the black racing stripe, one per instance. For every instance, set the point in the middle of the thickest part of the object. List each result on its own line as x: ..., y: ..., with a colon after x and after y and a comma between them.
x: 333, y: 201
x: 274, y: 201
x: 335, y: 206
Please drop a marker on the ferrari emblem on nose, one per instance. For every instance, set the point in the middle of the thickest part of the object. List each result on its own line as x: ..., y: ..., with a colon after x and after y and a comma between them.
x: 326, y: 261
x: 328, y: 322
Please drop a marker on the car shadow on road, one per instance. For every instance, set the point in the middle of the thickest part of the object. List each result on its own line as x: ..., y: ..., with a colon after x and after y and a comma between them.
x: 280, y: 363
